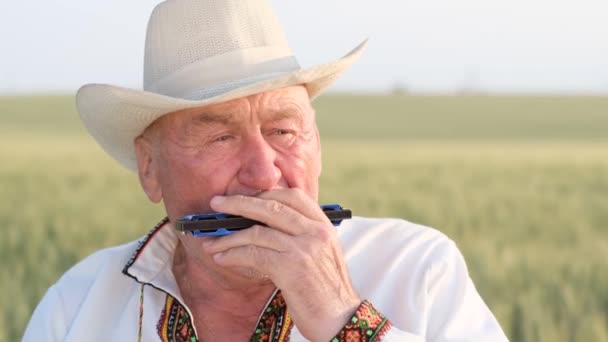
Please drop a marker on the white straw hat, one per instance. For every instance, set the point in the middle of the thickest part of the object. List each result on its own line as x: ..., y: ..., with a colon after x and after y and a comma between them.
x: 200, y: 52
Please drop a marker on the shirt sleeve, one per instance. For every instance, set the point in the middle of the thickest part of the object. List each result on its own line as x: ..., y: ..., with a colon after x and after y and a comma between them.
x: 455, y: 310
x: 48, y: 321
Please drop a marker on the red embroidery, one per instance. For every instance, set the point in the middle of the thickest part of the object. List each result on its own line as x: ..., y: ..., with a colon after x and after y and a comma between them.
x: 175, y: 323
x: 275, y: 324
x: 366, y: 325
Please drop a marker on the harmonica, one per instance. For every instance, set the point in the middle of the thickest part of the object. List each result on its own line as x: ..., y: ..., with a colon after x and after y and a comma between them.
x: 219, y: 224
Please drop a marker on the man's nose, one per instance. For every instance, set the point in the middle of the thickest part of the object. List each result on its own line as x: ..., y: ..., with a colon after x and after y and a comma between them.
x: 258, y: 164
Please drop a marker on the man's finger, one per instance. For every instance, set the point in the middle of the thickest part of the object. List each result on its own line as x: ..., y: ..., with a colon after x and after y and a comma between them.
x: 257, y: 235
x: 273, y: 213
x: 296, y: 199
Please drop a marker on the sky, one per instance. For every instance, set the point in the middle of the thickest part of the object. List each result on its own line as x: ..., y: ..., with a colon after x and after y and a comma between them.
x: 426, y: 46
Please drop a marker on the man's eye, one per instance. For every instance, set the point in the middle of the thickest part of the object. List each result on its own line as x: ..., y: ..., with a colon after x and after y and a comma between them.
x: 281, y: 132
x: 222, y: 138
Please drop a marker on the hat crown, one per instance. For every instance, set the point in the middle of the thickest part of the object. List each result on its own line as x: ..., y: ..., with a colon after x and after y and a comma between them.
x: 209, y: 33
x: 200, y: 52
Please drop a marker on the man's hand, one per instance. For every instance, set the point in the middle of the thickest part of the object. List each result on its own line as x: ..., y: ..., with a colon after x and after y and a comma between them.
x: 298, y: 250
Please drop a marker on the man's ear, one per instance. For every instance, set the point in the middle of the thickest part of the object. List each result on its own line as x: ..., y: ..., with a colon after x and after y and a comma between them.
x: 319, y: 149
x: 147, y: 167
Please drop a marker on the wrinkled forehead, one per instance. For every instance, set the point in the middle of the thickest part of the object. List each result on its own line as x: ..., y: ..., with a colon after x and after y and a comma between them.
x: 285, y: 103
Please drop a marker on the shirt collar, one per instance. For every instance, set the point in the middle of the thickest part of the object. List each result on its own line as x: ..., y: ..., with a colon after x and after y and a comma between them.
x: 152, y: 261
x: 151, y: 264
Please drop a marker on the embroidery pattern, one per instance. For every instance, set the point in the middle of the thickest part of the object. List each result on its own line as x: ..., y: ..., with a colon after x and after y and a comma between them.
x: 175, y: 323
x: 275, y: 324
x: 141, y: 313
x: 366, y: 325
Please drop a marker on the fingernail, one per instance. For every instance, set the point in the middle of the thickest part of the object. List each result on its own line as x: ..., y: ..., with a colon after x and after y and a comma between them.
x: 216, y: 200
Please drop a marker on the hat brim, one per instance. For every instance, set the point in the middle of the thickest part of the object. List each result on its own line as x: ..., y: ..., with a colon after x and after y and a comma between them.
x: 115, y: 115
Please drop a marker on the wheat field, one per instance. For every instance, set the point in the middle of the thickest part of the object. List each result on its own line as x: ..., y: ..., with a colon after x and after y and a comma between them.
x: 519, y: 183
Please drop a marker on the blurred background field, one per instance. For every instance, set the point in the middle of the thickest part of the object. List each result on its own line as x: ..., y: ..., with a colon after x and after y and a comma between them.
x: 520, y: 183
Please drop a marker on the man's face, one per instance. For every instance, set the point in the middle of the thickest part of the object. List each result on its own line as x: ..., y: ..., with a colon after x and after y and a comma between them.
x: 244, y: 146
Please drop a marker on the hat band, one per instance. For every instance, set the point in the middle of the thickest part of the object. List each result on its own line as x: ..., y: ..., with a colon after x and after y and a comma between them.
x: 207, y: 93
x: 240, y: 66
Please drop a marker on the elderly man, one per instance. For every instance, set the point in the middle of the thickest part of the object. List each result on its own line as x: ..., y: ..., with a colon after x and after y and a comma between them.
x: 225, y: 124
